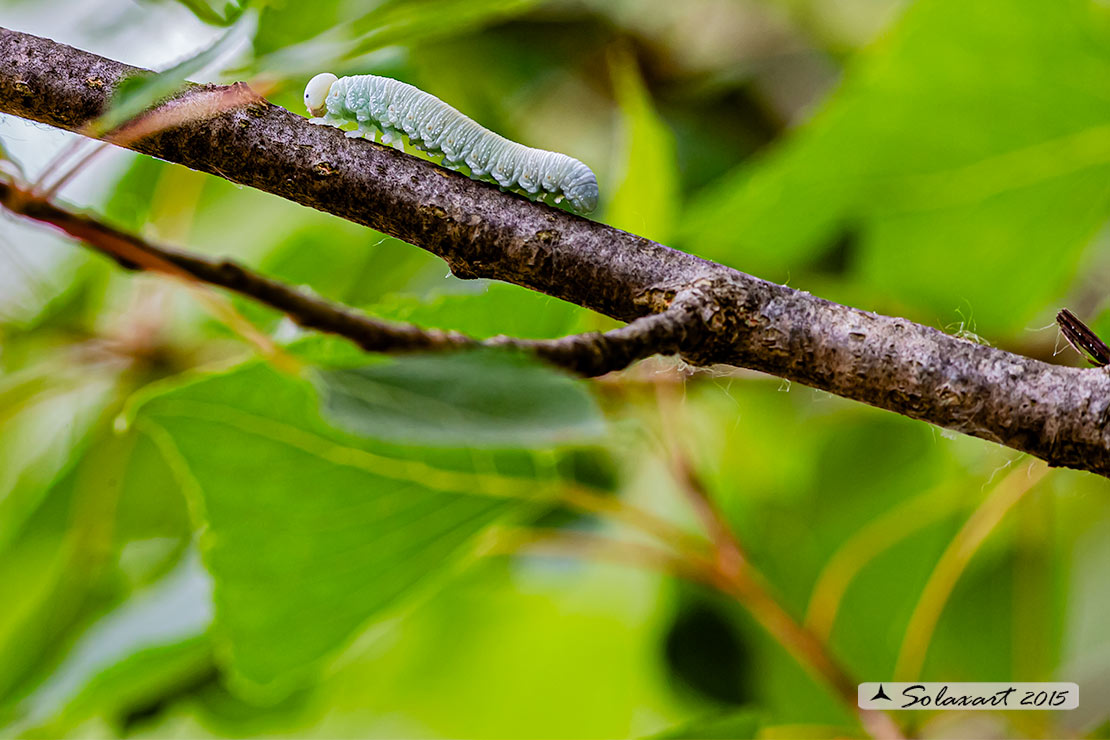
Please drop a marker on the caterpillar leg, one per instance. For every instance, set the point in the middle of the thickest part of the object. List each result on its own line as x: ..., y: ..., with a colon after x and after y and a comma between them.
x: 327, y: 120
x: 520, y: 190
x: 393, y: 137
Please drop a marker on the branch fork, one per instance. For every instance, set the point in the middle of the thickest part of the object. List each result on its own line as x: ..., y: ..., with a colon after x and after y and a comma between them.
x: 674, y: 301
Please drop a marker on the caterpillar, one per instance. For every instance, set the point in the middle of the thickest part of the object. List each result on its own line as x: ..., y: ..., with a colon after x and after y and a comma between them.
x: 380, y: 104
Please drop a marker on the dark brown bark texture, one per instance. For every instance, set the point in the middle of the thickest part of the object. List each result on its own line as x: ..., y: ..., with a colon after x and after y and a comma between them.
x: 1059, y: 414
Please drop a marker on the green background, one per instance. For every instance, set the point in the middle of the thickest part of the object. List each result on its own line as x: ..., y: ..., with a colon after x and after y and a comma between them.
x: 196, y: 541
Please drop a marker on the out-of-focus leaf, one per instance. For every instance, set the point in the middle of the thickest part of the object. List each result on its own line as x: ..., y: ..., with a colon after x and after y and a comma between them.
x: 76, y: 288
x: 499, y: 309
x: 111, y: 521
x: 792, y: 512
x: 408, y: 21
x: 42, y: 430
x: 136, y: 94
x: 472, y: 399
x: 1087, y: 651
x: 286, y: 23
x: 331, y: 529
x: 507, y: 648
x: 152, y: 639
x: 218, y: 12
x: 342, y: 40
x: 151, y: 513
x: 733, y: 726
x: 33, y: 569
x: 970, y: 150
x: 645, y: 200
x: 347, y: 262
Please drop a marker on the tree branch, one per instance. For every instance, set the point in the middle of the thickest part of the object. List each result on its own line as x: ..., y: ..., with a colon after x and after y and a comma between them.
x: 587, y: 354
x: 1059, y: 414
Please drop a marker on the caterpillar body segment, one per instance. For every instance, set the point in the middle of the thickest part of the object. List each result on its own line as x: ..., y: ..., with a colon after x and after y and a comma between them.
x: 395, y: 109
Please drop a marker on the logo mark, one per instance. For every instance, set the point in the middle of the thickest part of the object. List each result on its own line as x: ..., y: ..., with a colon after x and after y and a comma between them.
x: 880, y: 695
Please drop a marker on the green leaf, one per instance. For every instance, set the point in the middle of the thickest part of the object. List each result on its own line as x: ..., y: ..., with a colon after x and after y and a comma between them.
x: 36, y: 570
x: 310, y: 532
x: 154, y: 639
x: 111, y: 521
x: 969, y: 151
x: 646, y: 198
x: 217, y: 12
x: 286, y: 23
x: 472, y: 399
x: 346, y: 38
x: 347, y: 262
x: 408, y: 21
x: 499, y: 308
x: 745, y: 723
x: 44, y: 427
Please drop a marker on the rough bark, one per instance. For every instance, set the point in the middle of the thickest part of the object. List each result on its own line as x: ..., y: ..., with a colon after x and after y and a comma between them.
x: 1059, y: 414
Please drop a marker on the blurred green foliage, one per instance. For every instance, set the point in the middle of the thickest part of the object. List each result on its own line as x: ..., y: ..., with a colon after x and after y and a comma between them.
x: 940, y: 166
x: 198, y: 541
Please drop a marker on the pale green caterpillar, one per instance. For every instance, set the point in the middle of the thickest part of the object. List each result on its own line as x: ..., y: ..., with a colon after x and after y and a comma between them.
x: 395, y: 108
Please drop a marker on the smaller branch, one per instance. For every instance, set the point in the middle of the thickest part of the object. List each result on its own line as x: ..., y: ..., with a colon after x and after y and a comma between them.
x: 597, y: 353
x: 1082, y: 339
x: 589, y: 354
x: 733, y: 574
x: 130, y: 252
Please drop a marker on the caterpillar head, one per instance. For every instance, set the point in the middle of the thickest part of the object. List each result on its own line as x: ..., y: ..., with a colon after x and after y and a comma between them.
x: 316, y: 92
x: 582, y: 191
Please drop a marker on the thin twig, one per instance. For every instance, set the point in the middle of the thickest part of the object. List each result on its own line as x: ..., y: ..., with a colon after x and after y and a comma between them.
x: 71, y: 172
x: 729, y: 553
x: 70, y: 150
